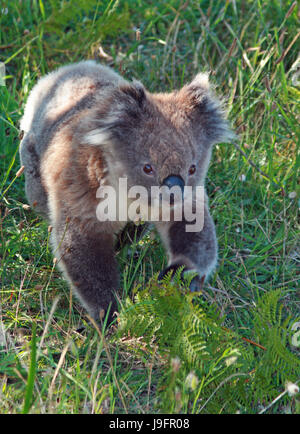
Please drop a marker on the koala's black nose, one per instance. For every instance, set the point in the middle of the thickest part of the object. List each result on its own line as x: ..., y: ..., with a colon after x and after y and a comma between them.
x: 174, y: 180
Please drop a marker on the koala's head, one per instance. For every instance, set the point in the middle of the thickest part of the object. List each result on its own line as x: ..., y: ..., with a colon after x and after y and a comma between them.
x: 159, y: 139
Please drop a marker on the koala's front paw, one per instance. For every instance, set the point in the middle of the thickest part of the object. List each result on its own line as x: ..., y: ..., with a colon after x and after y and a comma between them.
x: 196, y: 283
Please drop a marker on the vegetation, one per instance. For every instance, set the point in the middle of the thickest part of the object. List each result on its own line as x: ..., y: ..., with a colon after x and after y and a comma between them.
x: 233, y: 347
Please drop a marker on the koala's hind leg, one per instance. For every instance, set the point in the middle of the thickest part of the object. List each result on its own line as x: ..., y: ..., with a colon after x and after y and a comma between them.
x: 196, y: 251
x: 87, y: 260
x: 34, y: 189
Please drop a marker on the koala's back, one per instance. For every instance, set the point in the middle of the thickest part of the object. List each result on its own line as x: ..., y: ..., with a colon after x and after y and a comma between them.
x: 58, y: 99
x: 56, y: 94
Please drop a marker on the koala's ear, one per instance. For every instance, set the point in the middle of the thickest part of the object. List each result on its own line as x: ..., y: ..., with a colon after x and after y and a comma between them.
x: 131, y: 95
x: 119, y: 115
x: 206, y: 111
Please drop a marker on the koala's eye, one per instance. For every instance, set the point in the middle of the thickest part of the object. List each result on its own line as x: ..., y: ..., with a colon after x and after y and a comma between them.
x: 192, y: 169
x: 148, y: 169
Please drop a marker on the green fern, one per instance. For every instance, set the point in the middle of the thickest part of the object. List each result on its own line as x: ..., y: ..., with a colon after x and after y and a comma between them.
x: 278, y: 363
x: 183, y: 327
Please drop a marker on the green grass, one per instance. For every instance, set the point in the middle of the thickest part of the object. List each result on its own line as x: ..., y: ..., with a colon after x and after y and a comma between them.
x: 251, y: 49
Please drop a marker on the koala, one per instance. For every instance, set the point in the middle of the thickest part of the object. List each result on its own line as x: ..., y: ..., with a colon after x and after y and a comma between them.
x: 85, y: 126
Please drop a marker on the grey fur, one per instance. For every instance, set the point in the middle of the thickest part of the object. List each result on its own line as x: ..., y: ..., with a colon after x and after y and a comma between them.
x: 85, y: 125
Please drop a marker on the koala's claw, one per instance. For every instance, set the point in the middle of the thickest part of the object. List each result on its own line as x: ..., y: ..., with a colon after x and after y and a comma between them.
x: 196, y: 283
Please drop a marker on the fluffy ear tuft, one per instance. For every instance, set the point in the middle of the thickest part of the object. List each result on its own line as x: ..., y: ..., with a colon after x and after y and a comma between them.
x: 201, y: 81
x: 119, y: 115
x: 206, y: 111
x: 133, y: 93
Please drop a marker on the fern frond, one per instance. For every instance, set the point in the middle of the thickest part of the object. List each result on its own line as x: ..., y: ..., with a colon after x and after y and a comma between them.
x: 186, y: 327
